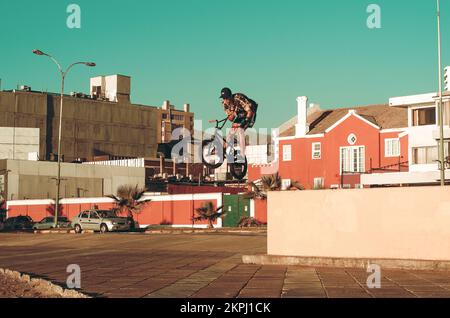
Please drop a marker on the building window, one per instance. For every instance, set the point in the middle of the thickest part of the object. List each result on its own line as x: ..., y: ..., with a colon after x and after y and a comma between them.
x: 178, y: 117
x: 392, y: 147
x: 425, y: 155
x: 424, y: 116
x: 287, y: 153
x: 352, y: 159
x: 316, y: 150
x: 286, y: 184
x: 429, y: 155
x: 319, y: 183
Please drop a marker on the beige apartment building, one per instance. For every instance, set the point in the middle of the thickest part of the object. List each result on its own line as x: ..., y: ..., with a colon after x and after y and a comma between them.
x: 103, y: 124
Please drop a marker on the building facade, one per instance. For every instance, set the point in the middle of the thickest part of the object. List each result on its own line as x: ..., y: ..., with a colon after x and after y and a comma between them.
x: 25, y: 179
x: 103, y: 124
x: 423, y: 147
x: 334, y: 148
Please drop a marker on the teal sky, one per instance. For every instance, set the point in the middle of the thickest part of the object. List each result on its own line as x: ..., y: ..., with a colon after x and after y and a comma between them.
x: 187, y: 50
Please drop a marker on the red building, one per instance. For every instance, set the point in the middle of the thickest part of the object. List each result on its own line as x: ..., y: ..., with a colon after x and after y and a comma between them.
x: 332, y: 148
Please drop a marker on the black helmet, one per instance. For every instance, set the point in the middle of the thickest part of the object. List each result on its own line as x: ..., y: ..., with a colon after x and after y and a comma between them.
x: 226, y: 93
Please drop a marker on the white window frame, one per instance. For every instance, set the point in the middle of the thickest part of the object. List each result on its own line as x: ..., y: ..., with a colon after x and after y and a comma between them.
x: 320, y: 186
x: 389, y: 147
x: 287, y: 152
x: 286, y: 184
x: 360, y: 163
x: 316, y: 154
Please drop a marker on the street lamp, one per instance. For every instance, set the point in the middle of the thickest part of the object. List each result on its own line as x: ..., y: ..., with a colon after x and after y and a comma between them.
x: 63, y: 77
x: 441, y: 111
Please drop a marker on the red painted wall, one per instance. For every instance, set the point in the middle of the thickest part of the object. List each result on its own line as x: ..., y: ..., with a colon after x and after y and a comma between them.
x: 261, y: 210
x: 154, y: 213
x: 38, y: 212
x: 188, y: 189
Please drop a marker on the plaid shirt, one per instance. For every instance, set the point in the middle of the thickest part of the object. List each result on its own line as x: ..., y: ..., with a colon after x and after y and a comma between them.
x: 241, y: 106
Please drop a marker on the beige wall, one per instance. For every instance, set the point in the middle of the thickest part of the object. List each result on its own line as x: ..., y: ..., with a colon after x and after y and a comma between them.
x: 393, y: 223
x: 18, y: 143
x: 36, y: 179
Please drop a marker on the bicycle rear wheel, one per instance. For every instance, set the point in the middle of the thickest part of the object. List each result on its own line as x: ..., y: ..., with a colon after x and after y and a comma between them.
x: 239, y: 170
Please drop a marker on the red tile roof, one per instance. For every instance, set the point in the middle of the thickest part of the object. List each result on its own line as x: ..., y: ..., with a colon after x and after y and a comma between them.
x: 384, y: 116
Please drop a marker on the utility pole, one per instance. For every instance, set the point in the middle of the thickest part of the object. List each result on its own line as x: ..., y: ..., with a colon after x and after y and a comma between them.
x: 441, y: 111
x: 63, y: 74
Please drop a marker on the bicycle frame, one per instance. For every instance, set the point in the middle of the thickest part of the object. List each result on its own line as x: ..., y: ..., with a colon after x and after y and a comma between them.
x: 220, y: 124
x: 228, y: 151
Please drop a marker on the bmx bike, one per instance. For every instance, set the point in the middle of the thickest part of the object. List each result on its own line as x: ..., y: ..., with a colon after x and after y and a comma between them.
x: 216, y: 150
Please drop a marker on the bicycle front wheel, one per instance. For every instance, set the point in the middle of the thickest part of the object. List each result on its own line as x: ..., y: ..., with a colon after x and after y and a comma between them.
x: 212, y: 153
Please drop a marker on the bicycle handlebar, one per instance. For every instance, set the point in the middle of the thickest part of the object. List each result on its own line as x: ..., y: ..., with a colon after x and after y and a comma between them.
x: 218, y: 122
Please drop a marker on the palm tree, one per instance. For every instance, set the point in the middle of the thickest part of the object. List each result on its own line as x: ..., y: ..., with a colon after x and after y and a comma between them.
x: 207, y: 212
x: 268, y: 183
x: 3, y: 210
x: 297, y: 186
x: 271, y: 182
x: 129, y: 200
x: 255, y: 192
x: 51, y: 209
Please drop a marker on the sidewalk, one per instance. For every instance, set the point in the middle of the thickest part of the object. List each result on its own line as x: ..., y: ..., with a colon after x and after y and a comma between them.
x: 206, y: 265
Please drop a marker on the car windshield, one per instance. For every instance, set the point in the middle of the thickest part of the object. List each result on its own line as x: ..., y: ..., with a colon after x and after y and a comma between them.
x: 107, y: 214
x: 62, y: 219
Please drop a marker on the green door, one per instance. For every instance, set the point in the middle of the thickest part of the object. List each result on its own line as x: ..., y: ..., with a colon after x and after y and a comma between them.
x: 236, y: 207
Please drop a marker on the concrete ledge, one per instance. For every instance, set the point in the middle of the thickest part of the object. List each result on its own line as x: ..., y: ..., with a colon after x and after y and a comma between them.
x: 346, y: 262
x: 60, y: 231
x: 200, y: 231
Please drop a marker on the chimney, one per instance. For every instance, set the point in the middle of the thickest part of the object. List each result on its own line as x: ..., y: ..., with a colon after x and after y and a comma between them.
x: 187, y: 108
x: 162, y: 164
x: 166, y: 105
x: 302, y: 128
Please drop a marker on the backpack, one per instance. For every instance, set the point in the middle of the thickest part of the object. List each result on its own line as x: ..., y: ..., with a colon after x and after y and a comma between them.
x: 254, y: 110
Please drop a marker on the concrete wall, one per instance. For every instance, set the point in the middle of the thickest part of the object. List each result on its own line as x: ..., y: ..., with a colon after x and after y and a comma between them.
x: 18, y: 143
x: 25, y: 110
x: 392, y: 223
x: 36, y: 180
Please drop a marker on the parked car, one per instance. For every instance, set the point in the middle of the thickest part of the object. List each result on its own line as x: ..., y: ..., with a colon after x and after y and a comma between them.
x: 21, y: 222
x: 100, y: 220
x: 49, y: 223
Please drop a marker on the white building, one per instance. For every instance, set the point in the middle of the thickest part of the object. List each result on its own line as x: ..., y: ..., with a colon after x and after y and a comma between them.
x: 423, y: 141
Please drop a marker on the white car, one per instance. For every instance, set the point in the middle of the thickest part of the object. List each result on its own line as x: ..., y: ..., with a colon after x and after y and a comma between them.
x: 100, y: 220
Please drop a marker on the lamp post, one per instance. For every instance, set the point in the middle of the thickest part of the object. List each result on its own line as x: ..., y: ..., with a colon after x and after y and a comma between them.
x: 63, y: 77
x: 440, y: 108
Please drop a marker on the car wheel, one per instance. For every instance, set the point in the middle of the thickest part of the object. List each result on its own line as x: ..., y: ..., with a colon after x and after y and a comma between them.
x: 103, y: 228
x: 78, y: 229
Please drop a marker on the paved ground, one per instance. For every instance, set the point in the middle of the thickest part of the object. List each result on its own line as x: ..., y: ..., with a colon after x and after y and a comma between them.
x: 123, y: 265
